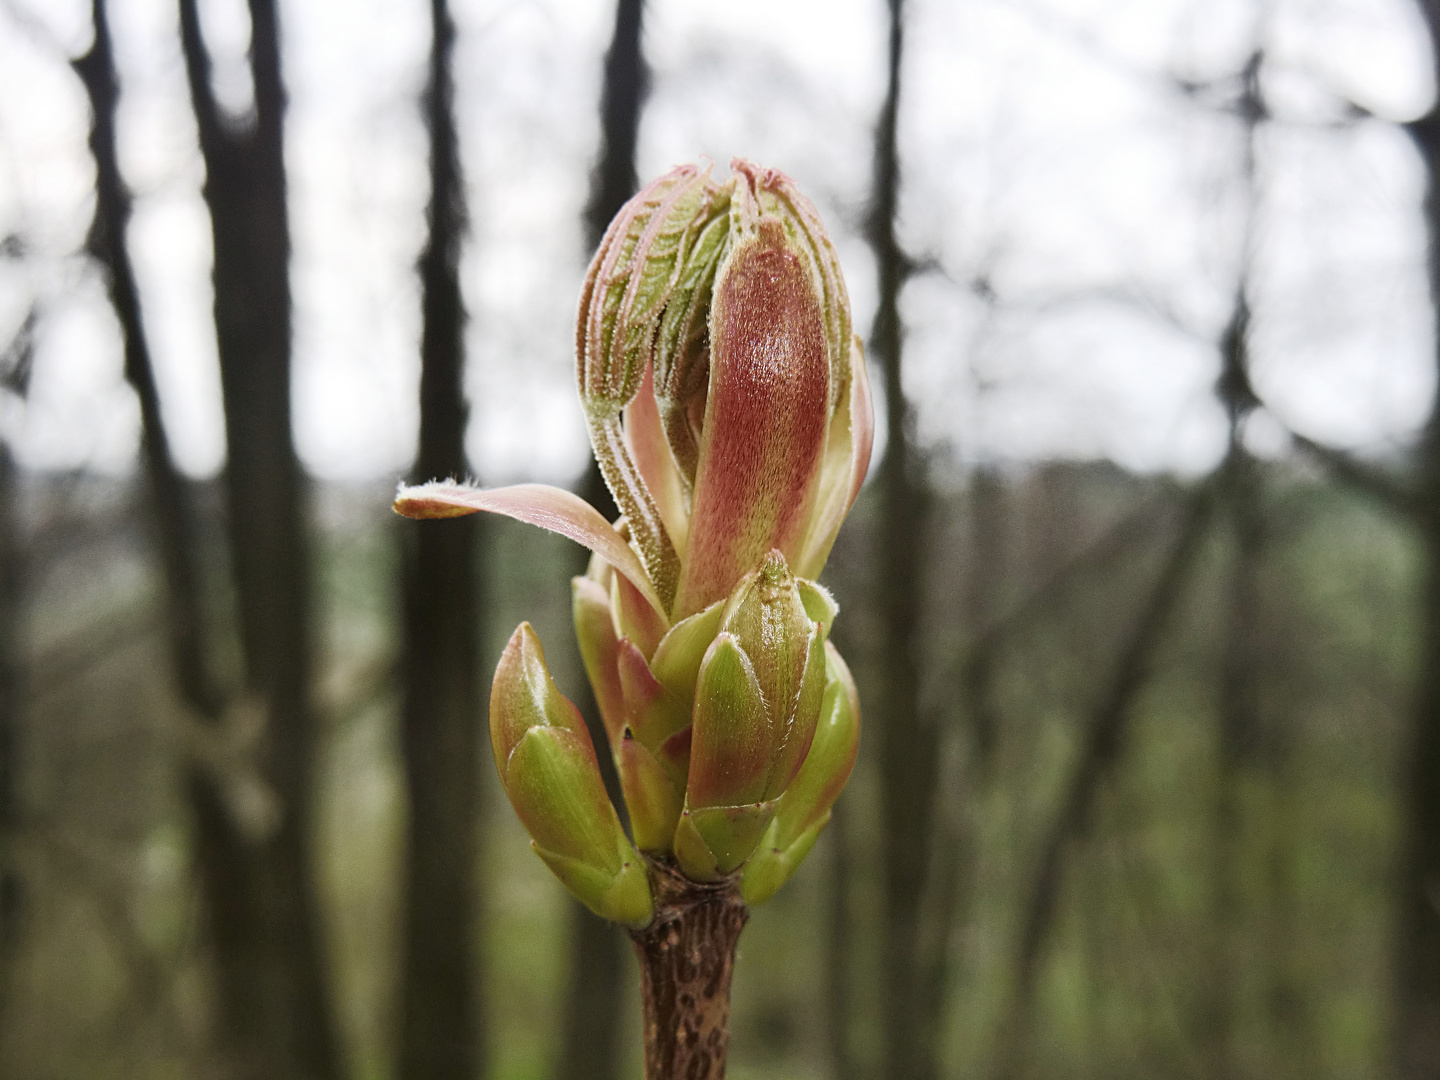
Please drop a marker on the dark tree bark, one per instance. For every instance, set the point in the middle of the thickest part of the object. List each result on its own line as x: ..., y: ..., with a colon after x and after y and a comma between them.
x: 12, y: 885
x: 439, y: 1034
x: 231, y: 873
x: 171, y: 503
x: 1238, y: 758
x: 1417, y: 984
x: 908, y: 741
x: 622, y: 96
x: 590, y: 1044
x: 265, y: 922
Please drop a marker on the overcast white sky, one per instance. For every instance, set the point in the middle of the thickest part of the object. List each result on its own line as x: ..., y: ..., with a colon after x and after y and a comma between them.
x: 1044, y: 148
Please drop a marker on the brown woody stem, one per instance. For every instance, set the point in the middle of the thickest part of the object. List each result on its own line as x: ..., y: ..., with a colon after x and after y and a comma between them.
x: 687, y: 956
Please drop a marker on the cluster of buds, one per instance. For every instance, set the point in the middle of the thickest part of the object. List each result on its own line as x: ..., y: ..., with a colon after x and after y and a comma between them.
x: 728, y: 406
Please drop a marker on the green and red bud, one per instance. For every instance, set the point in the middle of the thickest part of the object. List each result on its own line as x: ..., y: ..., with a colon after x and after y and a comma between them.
x: 548, y: 768
x: 727, y: 402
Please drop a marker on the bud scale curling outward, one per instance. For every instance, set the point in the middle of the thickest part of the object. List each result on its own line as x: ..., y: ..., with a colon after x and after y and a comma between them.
x: 728, y: 405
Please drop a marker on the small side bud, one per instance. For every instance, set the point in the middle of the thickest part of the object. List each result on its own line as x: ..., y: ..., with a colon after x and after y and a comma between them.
x: 730, y: 764
x: 548, y: 767
x: 768, y: 617
x: 804, y: 810
x: 523, y: 696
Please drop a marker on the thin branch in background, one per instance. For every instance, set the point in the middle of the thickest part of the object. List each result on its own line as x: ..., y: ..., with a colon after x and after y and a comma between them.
x: 1102, y: 744
x: 441, y: 1036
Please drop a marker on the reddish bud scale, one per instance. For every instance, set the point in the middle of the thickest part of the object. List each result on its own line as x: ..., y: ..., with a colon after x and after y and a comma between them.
x: 765, y: 421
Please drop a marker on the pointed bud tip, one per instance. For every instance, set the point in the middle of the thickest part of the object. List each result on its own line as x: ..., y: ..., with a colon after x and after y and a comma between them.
x: 774, y: 569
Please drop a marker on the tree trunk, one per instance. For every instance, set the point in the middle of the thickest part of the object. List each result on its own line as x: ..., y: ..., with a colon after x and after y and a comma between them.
x: 235, y: 877
x: 439, y: 1036
x: 12, y: 886
x: 687, y: 958
x: 273, y: 977
x: 1239, y: 733
x: 622, y: 95
x: 907, y: 741
x: 170, y: 497
x: 590, y: 1044
x: 1416, y: 1039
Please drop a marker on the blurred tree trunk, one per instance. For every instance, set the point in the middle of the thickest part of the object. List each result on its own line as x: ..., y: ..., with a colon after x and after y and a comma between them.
x: 1239, y: 720
x: 14, y: 362
x: 1417, y: 1012
x: 840, y: 945
x: 989, y: 556
x: 439, y: 1037
x: 594, y: 1020
x: 840, y: 948
x: 622, y: 96
x: 227, y: 869
x: 1295, y: 1052
x: 1239, y: 733
x: 265, y: 922
x: 171, y: 502
x: 590, y: 1045
x: 908, y: 742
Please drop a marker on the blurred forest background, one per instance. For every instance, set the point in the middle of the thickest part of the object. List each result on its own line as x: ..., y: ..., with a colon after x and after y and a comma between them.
x: 1143, y: 594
